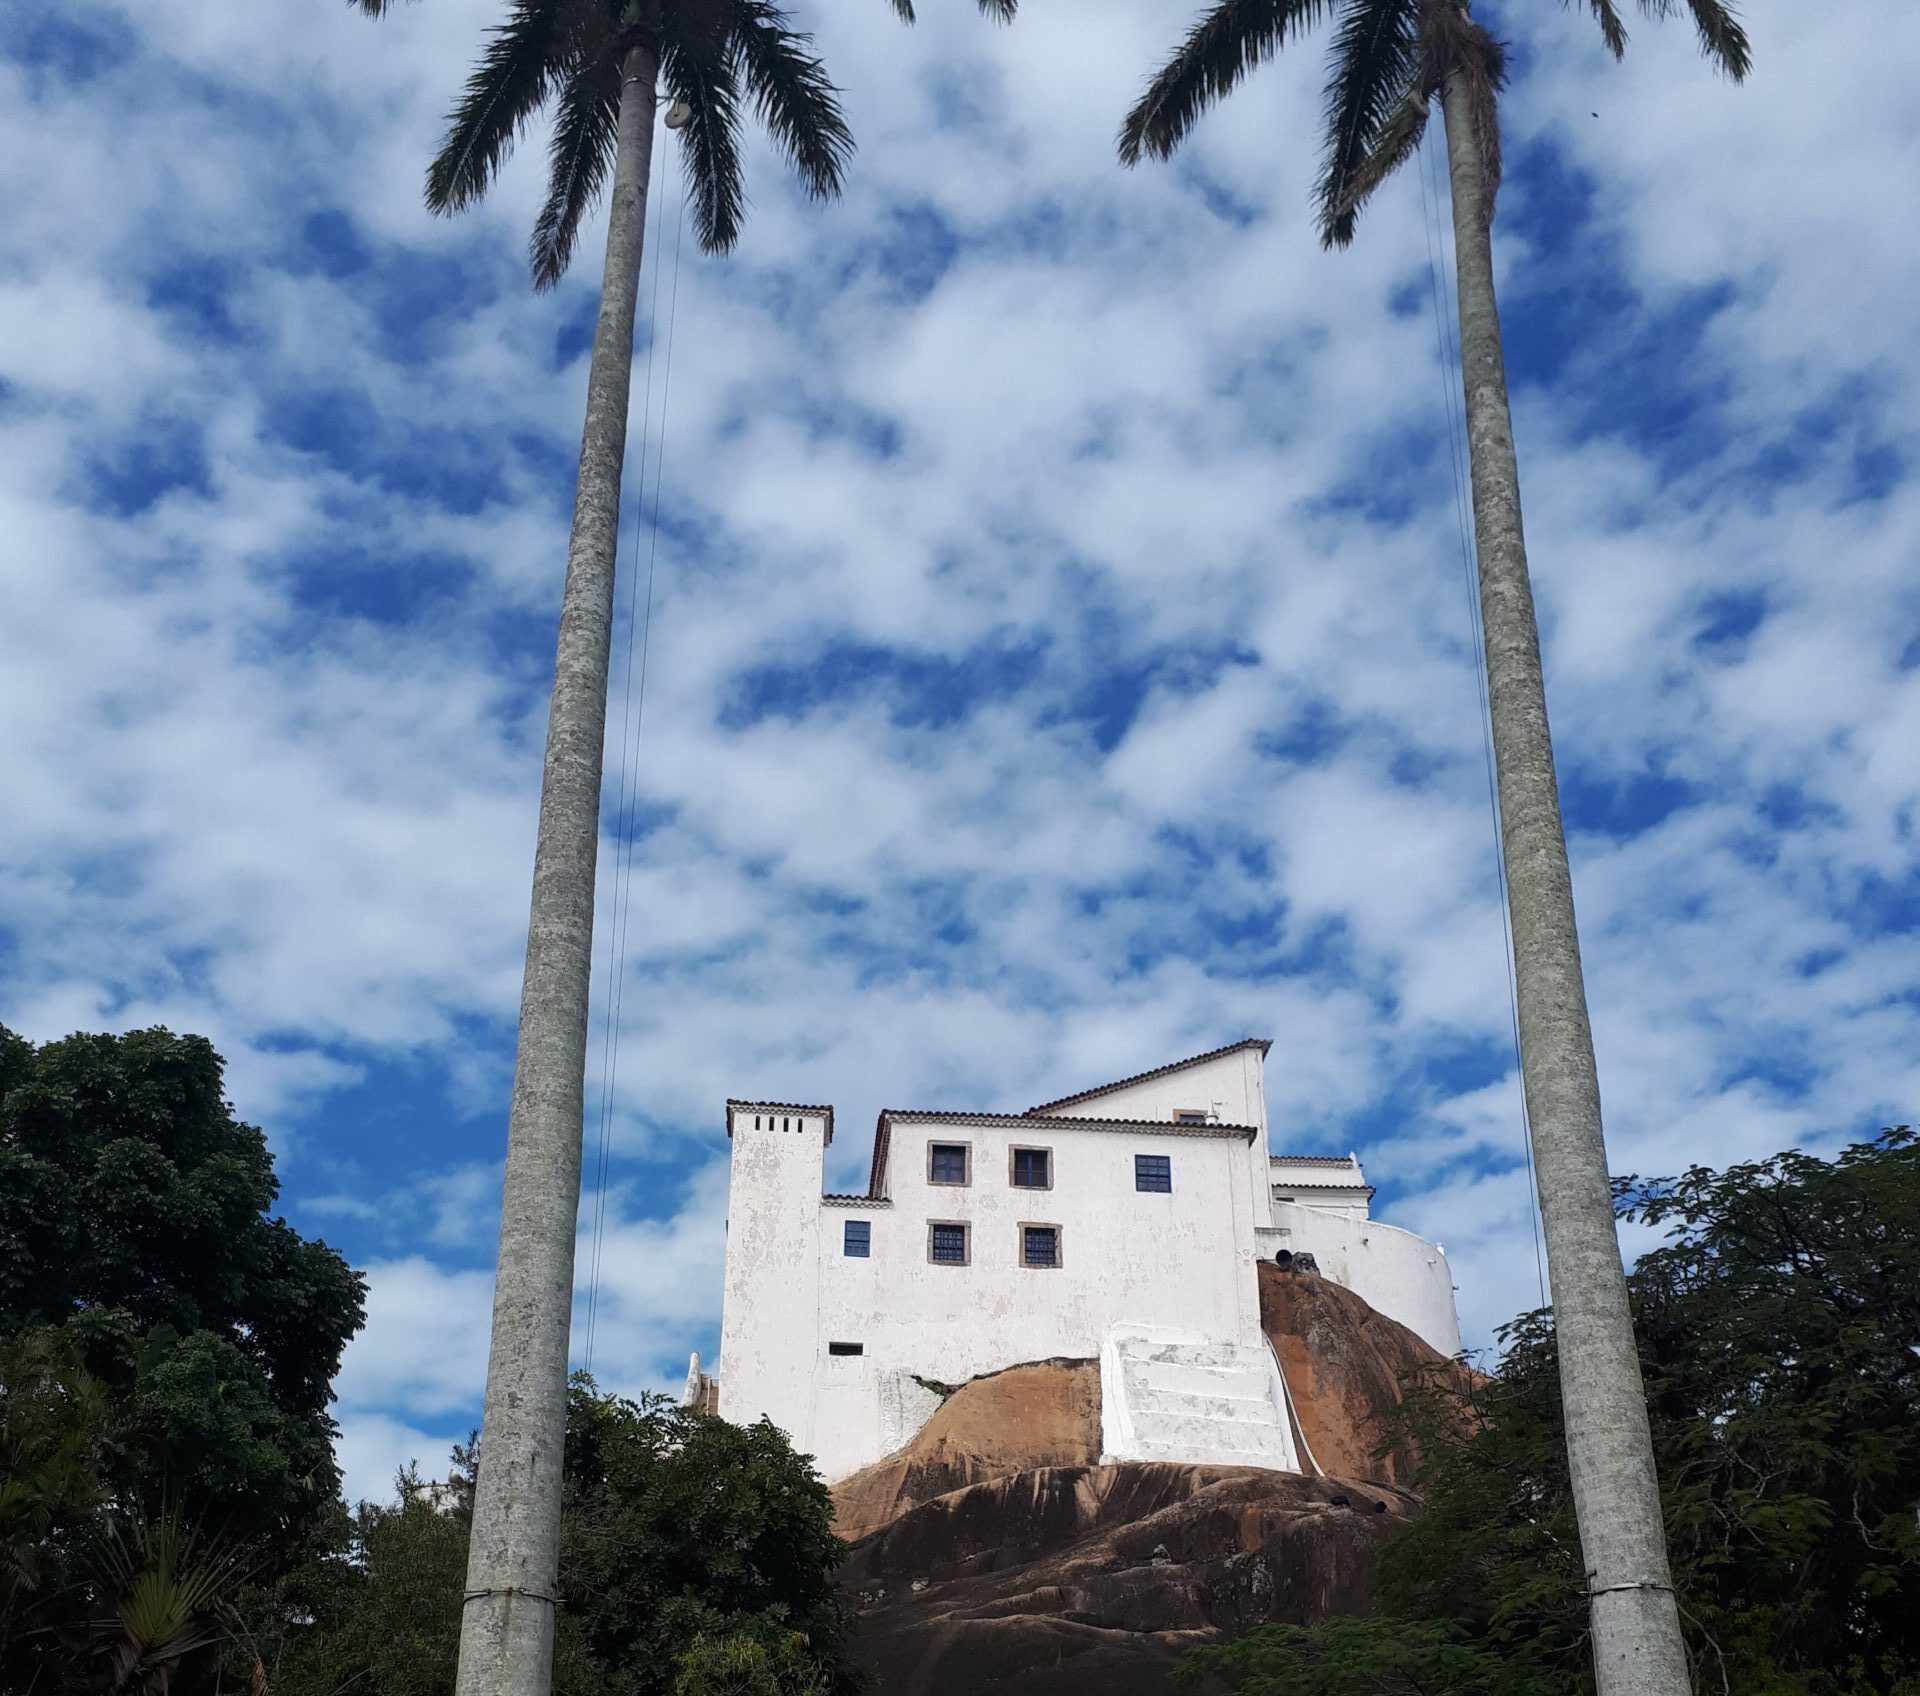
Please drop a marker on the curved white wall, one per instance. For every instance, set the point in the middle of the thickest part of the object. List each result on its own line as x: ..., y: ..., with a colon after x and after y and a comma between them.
x: 1403, y: 1276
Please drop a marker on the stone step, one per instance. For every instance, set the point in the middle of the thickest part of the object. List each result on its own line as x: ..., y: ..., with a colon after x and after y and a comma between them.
x: 1238, y: 1410
x: 1250, y: 1379
x: 1207, y: 1443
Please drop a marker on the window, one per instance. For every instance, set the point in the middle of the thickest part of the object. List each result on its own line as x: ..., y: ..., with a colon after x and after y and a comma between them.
x: 946, y: 1163
x: 1153, y: 1172
x: 1039, y: 1245
x: 1032, y: 1169
x: 859, y: 1239
x: 1189, y: 1116
x: 947, y: 1245
x: 846, y: 1348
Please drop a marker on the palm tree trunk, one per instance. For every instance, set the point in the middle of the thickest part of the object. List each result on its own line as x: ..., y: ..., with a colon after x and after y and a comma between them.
x: 506, y: 1633
x: 1637, y: 1647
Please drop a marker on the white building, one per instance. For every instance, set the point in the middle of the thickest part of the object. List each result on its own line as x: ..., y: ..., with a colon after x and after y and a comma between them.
x: 1123, y: 1222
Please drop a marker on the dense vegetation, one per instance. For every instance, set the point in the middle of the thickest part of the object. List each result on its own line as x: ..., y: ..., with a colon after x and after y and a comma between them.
x: 166, y: 1351
x: 1779, y: 1330
x: 170, y: 1512
x: 696, y: 1557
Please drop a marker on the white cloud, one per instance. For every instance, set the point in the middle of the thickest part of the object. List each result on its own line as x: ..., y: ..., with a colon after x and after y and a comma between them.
x: 273, y: 739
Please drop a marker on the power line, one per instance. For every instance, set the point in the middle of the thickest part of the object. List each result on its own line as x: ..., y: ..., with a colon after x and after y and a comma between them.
x: 632, y: 717
x: 1439, y: 269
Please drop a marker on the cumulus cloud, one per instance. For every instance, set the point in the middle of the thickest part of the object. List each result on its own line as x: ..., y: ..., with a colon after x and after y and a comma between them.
x: 1058, y: 658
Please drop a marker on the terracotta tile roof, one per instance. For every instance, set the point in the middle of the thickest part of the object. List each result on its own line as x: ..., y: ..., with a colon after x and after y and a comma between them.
x: 1260, y: 1043
x: 818, y: 1109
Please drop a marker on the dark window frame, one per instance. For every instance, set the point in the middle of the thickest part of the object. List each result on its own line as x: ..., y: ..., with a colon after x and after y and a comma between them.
x: 966, y: 1165
x: 846, y: 1351
x: 1190, y: 1116
x: 1059, y: 1246
x: 865, y: 1250
x: 966, y: 1241
x: 1158, y: 1166
x: 1013, y: 1166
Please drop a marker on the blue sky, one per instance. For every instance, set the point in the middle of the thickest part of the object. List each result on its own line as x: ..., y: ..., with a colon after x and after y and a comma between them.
x: 1059, y: 659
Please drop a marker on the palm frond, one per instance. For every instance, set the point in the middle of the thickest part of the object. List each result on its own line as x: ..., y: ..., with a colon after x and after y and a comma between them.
x: 1461, y: 47
x: 1377, y: 63
x: 1222, y: 47
x: 1721, y: 37
x: 1397, y: 141
x: 372, y: 8
x: 709, y: 84
x: 792, y: 96
x: 512, y: 81
x: 1613, y: 27
x: 586, y: 132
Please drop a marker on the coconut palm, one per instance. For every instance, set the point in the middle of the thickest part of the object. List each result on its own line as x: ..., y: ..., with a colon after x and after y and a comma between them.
x: 1390, y: 60
x: 601, y: 66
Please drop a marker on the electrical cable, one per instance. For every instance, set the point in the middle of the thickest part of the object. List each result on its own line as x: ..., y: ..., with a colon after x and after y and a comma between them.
x: 1441, y: 280
x: 632, y: 717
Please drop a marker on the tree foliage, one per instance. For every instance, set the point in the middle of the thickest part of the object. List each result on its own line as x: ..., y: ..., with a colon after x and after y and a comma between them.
x: 1388, y: 60
x: 696, y: 1558
x: 166, y: 1351
x: 1779, y: 1331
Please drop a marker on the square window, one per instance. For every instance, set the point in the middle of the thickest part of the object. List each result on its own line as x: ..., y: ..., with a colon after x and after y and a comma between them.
x: 1039, y: 1245
x: 859, y: 1239
x: 1032, y: 1169
x: 1189, y: 1116
x: 1153, y: 1172
x: 946, y: 1163
x: 947, y: 1245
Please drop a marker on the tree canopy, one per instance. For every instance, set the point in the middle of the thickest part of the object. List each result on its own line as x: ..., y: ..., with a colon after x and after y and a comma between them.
x: 696, y: 1558
x: 1779, y: 1333
x: 166, y: 1348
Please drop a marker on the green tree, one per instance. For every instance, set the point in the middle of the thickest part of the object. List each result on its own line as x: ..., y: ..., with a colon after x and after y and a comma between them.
x: 1391, y: 59
x: 166, y: 1352
x: 1779, y: 1334
x: 693, y: 1552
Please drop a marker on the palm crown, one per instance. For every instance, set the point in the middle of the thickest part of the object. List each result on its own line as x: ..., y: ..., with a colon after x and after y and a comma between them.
x: 572, y: 54
x: 1389, y: 59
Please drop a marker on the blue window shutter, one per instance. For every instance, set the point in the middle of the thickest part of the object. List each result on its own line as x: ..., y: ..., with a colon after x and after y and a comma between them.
x: 859, y: 1239
x: 1153, y: 1172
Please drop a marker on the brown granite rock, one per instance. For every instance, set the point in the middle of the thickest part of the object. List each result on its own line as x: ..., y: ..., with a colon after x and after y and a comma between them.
x: 1343, y: 1363
x: 1092, y: 1581
x: 1043, y: 1414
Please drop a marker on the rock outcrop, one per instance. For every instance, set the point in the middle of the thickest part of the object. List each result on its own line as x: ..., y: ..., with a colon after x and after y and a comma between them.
x: 1343, y: 1364
x: 995, y: 1553
x: 1043, y: 1414
x: 1093, y: 1581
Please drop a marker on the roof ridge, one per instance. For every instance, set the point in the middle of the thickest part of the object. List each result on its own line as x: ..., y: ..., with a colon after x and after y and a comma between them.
x: 1261, y: 1043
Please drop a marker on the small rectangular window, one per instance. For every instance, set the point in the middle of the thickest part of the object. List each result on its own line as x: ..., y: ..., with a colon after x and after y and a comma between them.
x: 1153, y: 1172
x: 1189, y: 1116
x: 946, y: 1163
x: 1032, y: 1169
x: 947, y: 1245
x: 846, y: 1348
x: 859, y: 1239
x: 1039, y: 1245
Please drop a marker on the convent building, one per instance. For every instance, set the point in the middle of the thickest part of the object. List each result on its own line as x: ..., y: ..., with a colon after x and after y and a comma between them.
x: 1122, y: 1223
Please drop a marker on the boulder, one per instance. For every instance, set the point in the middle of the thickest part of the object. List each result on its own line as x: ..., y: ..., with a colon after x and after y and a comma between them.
x: 1093, y: 1581
x: 1046, y: 1413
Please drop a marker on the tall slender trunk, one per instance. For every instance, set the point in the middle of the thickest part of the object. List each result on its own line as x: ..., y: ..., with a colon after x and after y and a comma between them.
x: 506, y: 1629
x: 1637, y: 1647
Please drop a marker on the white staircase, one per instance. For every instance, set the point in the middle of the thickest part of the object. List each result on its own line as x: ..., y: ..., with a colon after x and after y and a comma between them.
x: 1175, y: 1396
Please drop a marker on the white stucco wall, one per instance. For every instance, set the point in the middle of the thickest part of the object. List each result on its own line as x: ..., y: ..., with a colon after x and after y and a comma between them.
x: 1183, y: 1259
x: 1403, y: 1276
x: 771, y: 1300
x: 1233, y: 1085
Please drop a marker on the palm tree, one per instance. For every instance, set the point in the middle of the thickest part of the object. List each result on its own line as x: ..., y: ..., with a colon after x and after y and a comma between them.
x: 1390, y: 59
x: 600, y: 64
